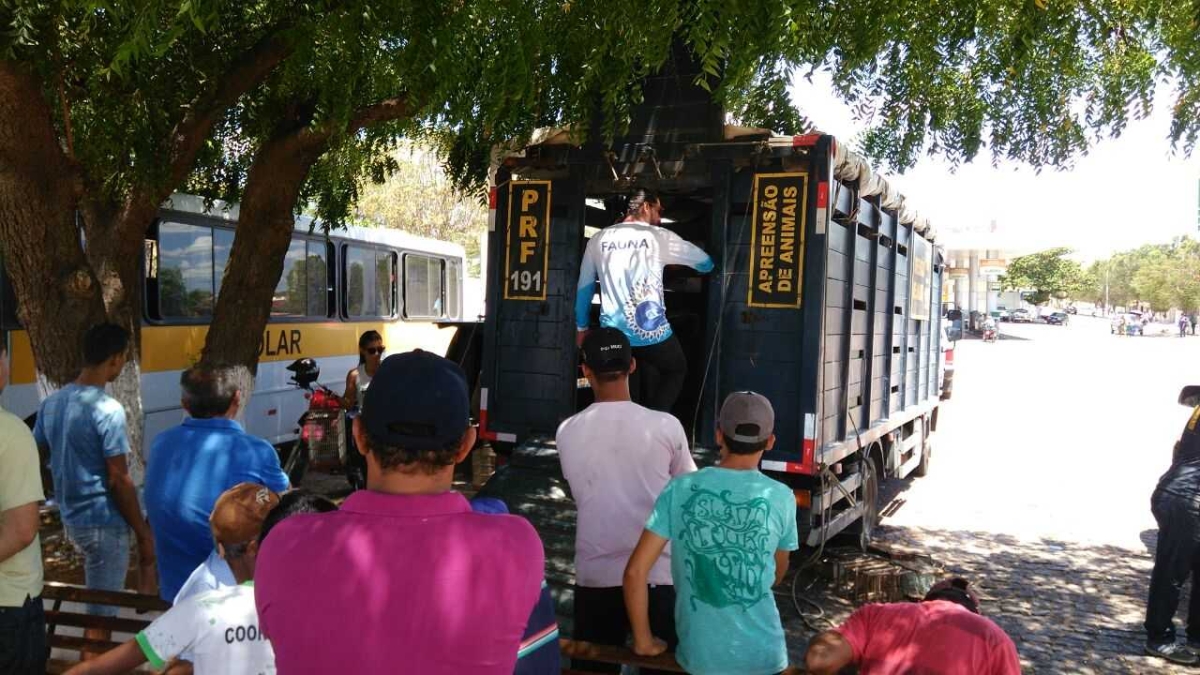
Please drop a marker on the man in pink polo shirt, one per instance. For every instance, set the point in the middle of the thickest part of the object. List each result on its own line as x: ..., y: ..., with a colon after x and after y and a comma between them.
x: 405, y: 577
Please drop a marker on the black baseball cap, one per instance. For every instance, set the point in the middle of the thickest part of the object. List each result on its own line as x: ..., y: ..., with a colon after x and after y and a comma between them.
x: 418, y: 401
x: 607, y: 350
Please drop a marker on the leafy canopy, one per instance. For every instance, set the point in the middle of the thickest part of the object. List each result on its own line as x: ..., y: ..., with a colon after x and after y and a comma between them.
x: 1031, y: 80
x: 1163, y: 276
x: 1048, y: 274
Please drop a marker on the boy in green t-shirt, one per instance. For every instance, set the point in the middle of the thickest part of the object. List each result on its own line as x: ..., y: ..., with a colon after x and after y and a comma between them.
x: 731, y: 529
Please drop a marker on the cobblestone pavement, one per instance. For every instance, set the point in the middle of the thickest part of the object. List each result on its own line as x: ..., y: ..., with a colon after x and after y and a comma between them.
x: 1039, y: 490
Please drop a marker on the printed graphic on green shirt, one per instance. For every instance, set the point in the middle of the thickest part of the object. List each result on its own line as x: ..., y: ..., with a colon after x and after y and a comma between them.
x: 725, y: 526
x: 729, y: 548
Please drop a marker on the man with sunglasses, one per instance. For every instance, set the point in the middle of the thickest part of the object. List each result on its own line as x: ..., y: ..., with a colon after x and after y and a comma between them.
x: 190, y: 465
x: 628, y: 259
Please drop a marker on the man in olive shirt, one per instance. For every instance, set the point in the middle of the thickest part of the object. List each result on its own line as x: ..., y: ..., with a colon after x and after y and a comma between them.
x: 22, y: 623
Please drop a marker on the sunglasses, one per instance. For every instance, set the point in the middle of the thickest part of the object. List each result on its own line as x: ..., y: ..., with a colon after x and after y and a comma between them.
x: 375, y: 351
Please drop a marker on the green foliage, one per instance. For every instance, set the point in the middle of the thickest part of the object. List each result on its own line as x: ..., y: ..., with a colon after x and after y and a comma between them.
x: 1031, y: 80
x: 1163, y: 276
x: 419, y: 198
x: 1047, y: 274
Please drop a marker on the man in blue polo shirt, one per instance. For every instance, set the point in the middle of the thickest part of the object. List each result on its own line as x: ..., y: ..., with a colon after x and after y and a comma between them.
x: 190, y: 465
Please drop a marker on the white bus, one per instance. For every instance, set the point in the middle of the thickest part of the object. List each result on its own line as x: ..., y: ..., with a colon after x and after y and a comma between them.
x: 333, y: 288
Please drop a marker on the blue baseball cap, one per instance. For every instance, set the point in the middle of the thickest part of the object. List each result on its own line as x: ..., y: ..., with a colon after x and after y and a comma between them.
x: 418, y: 401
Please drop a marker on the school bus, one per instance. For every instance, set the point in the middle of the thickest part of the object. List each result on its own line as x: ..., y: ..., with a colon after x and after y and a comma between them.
x: 333, y: 288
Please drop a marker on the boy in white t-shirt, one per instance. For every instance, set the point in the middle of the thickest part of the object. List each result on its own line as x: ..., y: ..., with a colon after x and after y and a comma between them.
x: 617, y: 456
x: 218, y: 629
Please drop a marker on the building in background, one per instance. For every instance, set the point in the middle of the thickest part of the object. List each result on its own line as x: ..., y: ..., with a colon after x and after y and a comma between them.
x: 975, y: 262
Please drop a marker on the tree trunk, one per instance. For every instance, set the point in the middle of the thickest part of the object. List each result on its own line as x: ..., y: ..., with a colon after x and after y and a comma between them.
x: 117, y: 261
x: 57, y: 292
x: 264, y: 232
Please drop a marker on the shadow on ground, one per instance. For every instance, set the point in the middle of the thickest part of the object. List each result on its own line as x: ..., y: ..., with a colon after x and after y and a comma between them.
x: 1070, y: 607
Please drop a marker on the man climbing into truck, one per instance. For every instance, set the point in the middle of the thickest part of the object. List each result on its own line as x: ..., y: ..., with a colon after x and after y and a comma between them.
x: 628, y: 259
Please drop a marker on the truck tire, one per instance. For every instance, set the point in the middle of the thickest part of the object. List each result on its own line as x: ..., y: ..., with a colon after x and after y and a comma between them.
x: 863, y: 529
x: 922, y: 469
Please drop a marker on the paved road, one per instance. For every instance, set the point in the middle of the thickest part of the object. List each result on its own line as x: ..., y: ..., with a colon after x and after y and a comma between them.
x: 1040, y: 485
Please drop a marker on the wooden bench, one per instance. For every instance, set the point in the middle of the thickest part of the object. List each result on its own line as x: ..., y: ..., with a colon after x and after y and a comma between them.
x: 57, y: 617
x: 624, y: 656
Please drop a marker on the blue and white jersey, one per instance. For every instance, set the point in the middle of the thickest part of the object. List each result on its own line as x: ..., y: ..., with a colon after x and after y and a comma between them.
x: 628, y: 258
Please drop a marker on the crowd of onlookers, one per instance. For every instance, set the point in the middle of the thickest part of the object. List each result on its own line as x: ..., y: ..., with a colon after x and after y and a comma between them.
x: 409, y: 576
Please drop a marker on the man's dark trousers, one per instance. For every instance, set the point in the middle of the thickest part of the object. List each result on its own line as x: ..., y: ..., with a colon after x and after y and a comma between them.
x: 1174, y: 561
x: 658, y: 378
x: 23, y: 648
x: 601, y: 618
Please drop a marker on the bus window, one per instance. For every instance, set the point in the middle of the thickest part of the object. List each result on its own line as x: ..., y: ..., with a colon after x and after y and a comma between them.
x: 185, y: 271
x: 222, y: 245
x: 370, y: 278
x: 360, y: 281
x: 317, y: 271
x: 423, y: 287
x: 454, y: 289
x: 291, y: 292
x: 385, y: 282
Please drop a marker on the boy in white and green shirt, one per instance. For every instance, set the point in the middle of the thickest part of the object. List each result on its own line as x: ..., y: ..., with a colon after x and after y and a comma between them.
x: 216, y: 630
x: 731, y: 529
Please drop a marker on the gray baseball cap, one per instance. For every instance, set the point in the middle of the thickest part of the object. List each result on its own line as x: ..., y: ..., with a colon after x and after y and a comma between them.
x: 747, y: 417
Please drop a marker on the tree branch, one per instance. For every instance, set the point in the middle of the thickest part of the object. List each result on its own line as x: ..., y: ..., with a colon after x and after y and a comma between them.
x: 188, y: 136
x: 243, y: 75
x: 384, y: 111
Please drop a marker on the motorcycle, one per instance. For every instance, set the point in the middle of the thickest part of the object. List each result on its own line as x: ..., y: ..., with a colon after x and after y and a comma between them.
x: 990, y: 335
x: 321, y: 432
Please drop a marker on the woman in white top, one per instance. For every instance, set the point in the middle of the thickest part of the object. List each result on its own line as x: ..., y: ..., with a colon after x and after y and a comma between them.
x: 370, y: 355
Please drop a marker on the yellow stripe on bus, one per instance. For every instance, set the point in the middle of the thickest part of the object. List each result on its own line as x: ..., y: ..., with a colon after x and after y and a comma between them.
x: 167, y: 348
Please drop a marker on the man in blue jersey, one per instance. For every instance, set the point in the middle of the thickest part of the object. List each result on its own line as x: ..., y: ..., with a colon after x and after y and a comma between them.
x: 628, y: 258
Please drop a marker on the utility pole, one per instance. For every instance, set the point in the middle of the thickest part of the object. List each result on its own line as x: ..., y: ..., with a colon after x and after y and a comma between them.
x: 1107, y: 264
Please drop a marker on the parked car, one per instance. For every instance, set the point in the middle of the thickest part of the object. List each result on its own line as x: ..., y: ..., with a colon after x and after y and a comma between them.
x: 1057, y: 318
x: 1001, y: 314
x: 1021, y: 315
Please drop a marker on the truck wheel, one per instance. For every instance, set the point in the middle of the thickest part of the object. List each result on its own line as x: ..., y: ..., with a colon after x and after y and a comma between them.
x: 864, y: 528
x: 922, y: 469
x: 926, y: 452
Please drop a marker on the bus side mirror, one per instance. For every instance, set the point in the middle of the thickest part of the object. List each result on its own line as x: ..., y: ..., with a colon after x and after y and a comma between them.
x: 1190, y: 395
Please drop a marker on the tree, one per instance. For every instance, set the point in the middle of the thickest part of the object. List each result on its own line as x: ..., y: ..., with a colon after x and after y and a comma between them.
x: 107, y: 108
x: 1048, y: 274
x: 103, y: 111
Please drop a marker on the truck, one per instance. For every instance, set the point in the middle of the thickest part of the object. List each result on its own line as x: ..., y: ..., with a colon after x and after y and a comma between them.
x: 825, y: 299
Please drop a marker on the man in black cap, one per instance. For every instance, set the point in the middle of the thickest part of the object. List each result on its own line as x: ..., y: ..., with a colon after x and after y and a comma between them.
x: 408, y: 577
x: 1176, y: 507
x: 617, y: 456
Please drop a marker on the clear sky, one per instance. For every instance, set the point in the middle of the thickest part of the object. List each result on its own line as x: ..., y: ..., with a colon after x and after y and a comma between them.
x: 1125, y: 192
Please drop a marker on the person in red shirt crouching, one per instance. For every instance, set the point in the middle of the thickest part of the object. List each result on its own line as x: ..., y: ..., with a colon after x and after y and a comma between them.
x: 943, y: 635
